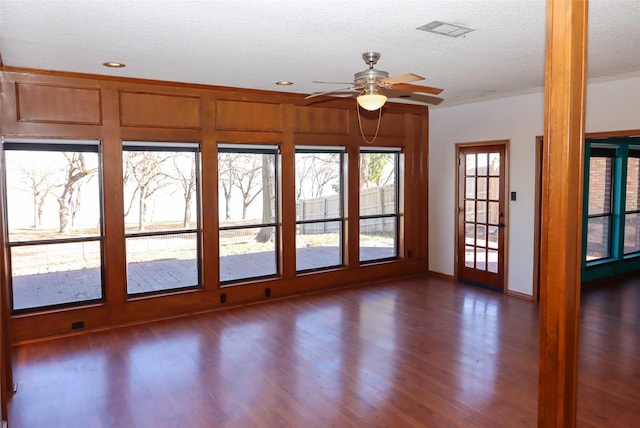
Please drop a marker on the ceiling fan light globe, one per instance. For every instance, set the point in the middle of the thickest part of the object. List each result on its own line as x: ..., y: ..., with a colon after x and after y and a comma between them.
x: 371, y: 101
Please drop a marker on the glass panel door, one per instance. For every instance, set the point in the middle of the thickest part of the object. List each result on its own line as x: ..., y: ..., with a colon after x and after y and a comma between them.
x: 481, y: 218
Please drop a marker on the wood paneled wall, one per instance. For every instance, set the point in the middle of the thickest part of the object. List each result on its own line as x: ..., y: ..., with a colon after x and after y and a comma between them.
x: 61, y: 105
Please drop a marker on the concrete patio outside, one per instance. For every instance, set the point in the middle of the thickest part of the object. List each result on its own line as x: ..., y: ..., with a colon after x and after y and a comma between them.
x: 70, y: 286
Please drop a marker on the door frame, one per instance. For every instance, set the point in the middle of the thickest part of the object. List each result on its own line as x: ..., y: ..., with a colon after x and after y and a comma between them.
x: 479, y: 144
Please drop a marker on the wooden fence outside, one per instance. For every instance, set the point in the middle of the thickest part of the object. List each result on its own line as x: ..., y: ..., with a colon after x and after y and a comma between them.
x: 375, y: 200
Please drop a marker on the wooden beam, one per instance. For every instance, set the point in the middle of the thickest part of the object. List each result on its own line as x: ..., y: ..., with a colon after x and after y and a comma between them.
x: 565, y: 77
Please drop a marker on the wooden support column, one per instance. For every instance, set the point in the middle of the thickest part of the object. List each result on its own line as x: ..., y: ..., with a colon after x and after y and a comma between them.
x: 565, y: 78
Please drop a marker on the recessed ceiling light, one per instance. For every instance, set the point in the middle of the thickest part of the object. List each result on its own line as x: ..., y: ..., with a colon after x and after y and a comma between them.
x: 284, y: 83
x: 114, y: 64
x: 450, y: 30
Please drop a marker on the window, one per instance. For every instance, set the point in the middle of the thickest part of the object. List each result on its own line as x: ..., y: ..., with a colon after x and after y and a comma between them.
x: 319, y: 208
x: 379, y: 204
x: 600, y: 206
x: 54, y: 222
x: 632, y: 203
x: 248, y: 212
x: 611, y: 227
x: 162, y: 224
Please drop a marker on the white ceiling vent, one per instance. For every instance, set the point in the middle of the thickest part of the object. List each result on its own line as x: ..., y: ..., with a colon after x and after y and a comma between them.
x: 445, y: 29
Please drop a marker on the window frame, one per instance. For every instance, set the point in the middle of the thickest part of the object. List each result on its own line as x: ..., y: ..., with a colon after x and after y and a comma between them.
x: 341, y: 151
x: 173, y: 146
x: 54, y: 145
x: 397, y: 151
x: 264, y: 149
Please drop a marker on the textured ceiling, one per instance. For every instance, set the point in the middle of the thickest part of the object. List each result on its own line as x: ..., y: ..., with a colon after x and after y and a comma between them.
x: 253, y: 44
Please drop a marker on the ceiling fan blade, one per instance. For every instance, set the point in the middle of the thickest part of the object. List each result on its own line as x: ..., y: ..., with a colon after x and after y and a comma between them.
x: 317, y: 94
x: 427, y: 99
x: 417, y: 88
x: 404, y: 78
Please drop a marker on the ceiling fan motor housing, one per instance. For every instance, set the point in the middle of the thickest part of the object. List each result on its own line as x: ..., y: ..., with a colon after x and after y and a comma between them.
x: 370, y: 76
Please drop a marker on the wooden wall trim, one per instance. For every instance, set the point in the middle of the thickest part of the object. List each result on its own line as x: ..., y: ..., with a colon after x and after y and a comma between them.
x: 565, y: 87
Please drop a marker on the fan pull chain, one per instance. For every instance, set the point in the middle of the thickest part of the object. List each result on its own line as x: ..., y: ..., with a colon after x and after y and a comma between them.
x: 360, y: 123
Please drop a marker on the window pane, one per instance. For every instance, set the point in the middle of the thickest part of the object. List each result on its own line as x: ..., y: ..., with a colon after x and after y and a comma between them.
x: 243, y: 257
x: 318, y: 197
x: 481, y: 215
x: 633, y: 184
x: 494, y: 213
x: 378, y: 187
x: 161, y: 262
x: 52, y: 194
x: 54, y: 274
x: 482, y: 164
x: 632, y: 233
x: 247, y: 197
x: 470, y: 188
x: 493, y: 237
x: 318, y: 186
x: 378, y: 183
x: 481, y: 259
x: 470, y: 165
x: 469, y: 256
x: 494, y: 188
x: 598, y: 238
x: 159, y: 190
x: 600, y: 182
x: 161, y: 195
x: 469, y: 211
x: 492, y: 261
x: 481, y: 235
x: 378, y: 238
x: 469, y: 233
x: 494, y: 164
x: 318, y: 245
x: 246, y: 188
x: 482, y: 188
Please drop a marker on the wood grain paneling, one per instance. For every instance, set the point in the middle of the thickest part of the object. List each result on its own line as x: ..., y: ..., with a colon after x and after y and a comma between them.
x: 248, y: 116
x: 160, y: 110
x: 391, y: 124
x: 58, y: 104
x: 319, y: 120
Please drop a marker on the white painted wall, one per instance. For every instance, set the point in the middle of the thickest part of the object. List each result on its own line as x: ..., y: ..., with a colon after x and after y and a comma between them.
x: 611, y: 106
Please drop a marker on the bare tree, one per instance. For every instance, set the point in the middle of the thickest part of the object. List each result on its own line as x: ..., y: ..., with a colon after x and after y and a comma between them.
x: 245, y: 173
x: 187, y: 182
x: 268, y: 192
x: 37, y: 181
x: 225, y: 177
x: 303, y: 170
x: 323, y: 172
x: 144, y: 170
x: 75, y: 175
x: 314, y: 172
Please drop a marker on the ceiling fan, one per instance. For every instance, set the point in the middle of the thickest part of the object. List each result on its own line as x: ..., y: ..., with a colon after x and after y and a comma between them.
x: 372, y: 86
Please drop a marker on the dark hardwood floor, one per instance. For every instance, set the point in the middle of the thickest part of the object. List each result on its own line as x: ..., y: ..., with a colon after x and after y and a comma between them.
x: 417, y: 352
